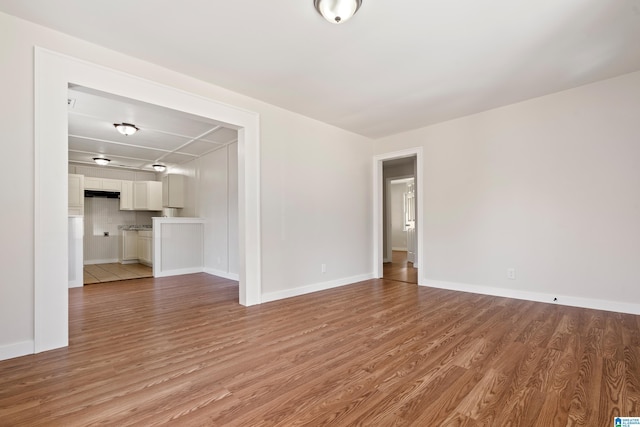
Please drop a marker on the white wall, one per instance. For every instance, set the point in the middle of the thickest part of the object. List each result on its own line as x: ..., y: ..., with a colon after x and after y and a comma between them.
x: 547, y: 186
x: 212, y: 188
x: 315, y: 180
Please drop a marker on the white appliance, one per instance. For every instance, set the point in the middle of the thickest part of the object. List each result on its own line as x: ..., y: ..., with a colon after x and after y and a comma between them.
x: 76, y: 260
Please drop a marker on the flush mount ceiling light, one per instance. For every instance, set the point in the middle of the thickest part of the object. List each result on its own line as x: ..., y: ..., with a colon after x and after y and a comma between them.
x: 126, y: 128
x: 101, y: 161
x: 159, y: 168
x: 337, y: 11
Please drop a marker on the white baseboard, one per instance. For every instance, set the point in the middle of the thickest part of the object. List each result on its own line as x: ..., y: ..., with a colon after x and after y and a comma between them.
x: 100, y: 261
x: 76, y: 283
x: 16, y: 350
x: 178, y: 272
x: 393, y: 248
x: 223, y: 274
x: 596, y: 304
x: 302, y: 290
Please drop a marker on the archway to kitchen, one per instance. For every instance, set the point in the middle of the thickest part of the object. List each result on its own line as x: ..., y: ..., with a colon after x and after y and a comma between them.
x: 201, y: 169
x: 54, y: 72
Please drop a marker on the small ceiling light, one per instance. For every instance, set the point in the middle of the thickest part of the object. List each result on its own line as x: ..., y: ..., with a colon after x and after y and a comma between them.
x: 337, y: 11
x: 126, y: 128
x: 159, y: 168
x: 101, y: 161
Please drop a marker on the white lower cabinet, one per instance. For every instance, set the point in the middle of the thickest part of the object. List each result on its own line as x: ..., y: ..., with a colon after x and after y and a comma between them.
x: 137, y: 246
x: 145, y: 248
x: 129, y: 245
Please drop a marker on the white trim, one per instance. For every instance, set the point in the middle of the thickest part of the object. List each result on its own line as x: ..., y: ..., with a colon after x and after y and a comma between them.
x: 302, y: 290
x: 16, y: 350
x: 596, y: 304
x: 103, y: 261
x: 397, y: 248
x: 377, y: 255
x: 52, y: 75
x: 223, y: 274
x: 180, y: 271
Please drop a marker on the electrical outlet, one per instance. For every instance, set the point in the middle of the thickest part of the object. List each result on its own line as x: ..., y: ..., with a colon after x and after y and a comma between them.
x: 323, y: 268
x: 511, y: 273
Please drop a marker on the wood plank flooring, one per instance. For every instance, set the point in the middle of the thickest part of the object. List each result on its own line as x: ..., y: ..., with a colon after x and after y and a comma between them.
x: 181, y: 350
x: 400, y: 269
x: 112, y: 272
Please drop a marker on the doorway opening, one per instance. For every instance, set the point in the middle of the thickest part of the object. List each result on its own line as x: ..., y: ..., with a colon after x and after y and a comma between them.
x: 397, y: 182
x: 53, y: 73
x: 400, y: 224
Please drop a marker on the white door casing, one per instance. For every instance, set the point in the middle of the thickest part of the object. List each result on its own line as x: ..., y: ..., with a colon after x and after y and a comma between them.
x: 377, y: 178
x: 410, y: 221
x: 53, y: 74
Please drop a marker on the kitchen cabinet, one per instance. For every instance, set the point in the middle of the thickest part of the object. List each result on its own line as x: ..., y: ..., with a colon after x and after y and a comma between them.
x: 126, y: 196
x: 111, y: 184
x: 129, y: 248
x: 91, y: 183
x: 104, y: 184
x: 147, y: 195
x: 173, y: 191
x: 76, y: 194
x: 145, y: 248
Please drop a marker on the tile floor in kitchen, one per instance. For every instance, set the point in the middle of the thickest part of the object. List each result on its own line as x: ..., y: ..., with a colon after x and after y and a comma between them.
x: 100, y: 273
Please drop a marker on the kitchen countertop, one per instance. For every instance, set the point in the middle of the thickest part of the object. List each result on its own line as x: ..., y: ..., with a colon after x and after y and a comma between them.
x: 135, y: 227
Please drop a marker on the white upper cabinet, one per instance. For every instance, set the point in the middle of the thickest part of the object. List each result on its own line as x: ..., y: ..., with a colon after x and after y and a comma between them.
x: 104, y: 184
x: 147, y: 196
x: 91, y: 183
x: 76, y: 194
x: 126, y: 196
x: 134, y: 195
x: 173, y: 191
x: 111, y: 184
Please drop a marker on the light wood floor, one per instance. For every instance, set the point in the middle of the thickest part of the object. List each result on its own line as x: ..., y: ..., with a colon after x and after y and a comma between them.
x: 399, y: 268
x: 376, y: 353
x: 101, y: 273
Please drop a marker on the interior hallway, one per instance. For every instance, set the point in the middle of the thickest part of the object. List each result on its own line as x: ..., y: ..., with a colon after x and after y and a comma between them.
x: 400, y: 269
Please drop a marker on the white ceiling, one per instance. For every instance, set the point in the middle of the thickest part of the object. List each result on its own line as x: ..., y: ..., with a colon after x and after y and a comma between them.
x: 397, y: 65
x: 166, y: 136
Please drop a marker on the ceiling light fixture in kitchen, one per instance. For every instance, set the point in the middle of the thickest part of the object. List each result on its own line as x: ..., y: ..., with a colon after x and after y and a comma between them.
x: 101, y: 161
x: 126, y: 128
x: 337, y: 11
x: 159, y: 168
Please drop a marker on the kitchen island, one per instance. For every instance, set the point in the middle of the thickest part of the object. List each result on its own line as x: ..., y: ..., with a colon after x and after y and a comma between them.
x: 178, y: 246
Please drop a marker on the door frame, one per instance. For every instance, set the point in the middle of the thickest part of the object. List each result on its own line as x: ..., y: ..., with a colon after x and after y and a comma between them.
x: 53, y: 74
x: 378, y: 229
